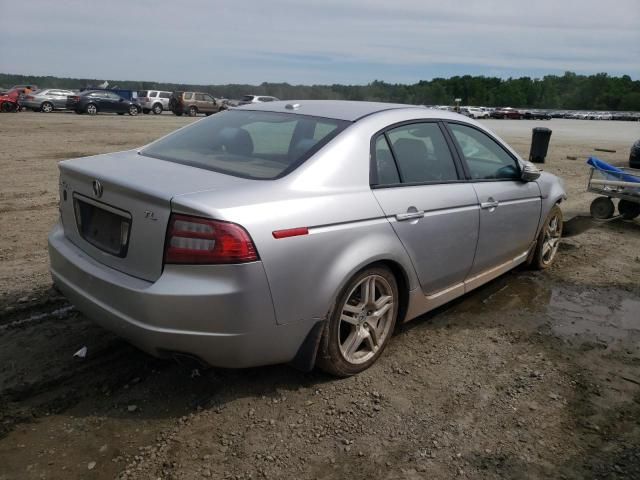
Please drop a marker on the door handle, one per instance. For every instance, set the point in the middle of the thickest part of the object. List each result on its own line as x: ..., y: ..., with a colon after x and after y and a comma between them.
x: 490, y: 203
x: 410, y: 215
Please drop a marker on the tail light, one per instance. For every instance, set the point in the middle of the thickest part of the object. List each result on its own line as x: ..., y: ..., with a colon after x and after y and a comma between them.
x: 196, y: 240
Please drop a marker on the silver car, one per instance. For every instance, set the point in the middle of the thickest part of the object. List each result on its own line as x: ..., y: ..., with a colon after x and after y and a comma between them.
x: 296, y: 232
x: 47, y: 100
x: 153, y: 101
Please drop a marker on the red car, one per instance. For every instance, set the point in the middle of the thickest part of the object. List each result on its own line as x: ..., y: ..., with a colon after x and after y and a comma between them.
x: 507, y: 112
x: 9, y: 100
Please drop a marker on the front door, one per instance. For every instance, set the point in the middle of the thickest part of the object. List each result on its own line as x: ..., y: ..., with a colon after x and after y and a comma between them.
x: 509, y: 208
x: 434, y: 214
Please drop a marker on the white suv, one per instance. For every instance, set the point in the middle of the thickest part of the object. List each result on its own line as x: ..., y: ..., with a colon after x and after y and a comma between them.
x: 154, y: 101
x: 257, y: 99
x: 475, y: 112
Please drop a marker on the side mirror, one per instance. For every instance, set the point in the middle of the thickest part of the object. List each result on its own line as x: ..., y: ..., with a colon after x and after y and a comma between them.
x: 529, y: 172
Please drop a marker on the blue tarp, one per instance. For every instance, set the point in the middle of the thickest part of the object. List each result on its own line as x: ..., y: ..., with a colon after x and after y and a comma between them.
x: 613, y: 171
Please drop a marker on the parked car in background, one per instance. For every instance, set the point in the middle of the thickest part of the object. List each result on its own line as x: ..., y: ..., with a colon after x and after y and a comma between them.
x: 193, y: 103
x: 47, y: 100
x: 634, y: 155
x: 273, y: 233
x: 154, y: 101
x: 507, y: 112
x: 257, y: 99
x: 536, y: 115
x: 475, y: 112
x: 9, y: 101
x: 101, y: 101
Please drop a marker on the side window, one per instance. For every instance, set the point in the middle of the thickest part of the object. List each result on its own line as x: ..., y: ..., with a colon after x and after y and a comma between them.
x: 485, y: 158
x: 386, y: 166
x: 188, y: 96
x: 153, y: 94
x: 165, y: 95
x: 199, y: 97
x: 422, y: 153
x: 208, y: 98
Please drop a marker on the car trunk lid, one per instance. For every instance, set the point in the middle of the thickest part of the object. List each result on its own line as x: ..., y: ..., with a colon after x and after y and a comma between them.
x: 116, y: 207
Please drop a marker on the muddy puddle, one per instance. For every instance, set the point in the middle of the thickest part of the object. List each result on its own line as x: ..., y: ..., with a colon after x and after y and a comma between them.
x: 606, y: 317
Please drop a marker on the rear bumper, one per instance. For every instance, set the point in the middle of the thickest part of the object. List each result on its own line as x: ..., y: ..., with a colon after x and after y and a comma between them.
x: 222, y: 314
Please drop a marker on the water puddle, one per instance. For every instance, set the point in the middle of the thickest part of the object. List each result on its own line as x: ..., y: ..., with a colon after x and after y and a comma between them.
x: 608, y: 317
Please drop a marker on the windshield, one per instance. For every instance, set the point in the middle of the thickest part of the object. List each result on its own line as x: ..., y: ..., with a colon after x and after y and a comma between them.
x: 248, y: 144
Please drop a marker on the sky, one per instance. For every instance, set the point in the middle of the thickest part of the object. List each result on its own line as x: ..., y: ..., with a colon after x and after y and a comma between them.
x: 317, y: 42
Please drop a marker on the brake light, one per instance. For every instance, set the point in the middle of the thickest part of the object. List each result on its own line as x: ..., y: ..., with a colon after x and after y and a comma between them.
x: 196, y: 240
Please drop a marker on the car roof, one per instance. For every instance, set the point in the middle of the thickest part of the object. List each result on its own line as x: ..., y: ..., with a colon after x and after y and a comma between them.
x: 336, y: 109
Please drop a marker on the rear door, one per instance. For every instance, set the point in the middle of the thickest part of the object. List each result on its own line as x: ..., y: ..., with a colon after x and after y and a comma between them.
x: 420, y: 186
x: 509, y: 208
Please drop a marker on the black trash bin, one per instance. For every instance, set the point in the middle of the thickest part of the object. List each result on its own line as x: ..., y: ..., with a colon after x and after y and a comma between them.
x: 539, y: 144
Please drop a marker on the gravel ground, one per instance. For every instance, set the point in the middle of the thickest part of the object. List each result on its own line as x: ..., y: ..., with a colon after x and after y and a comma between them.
x: 535, y: 375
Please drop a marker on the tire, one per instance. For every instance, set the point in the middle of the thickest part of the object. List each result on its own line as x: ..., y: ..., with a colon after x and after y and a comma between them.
x: 46, y: 107
x: 145, y: 111
x: 133, y: 110
x: 628, y: 209
x: 548, y: 240
x: 157, y: 109
x: 193, y: 111
x: 91, y: 109
x: 358, y: 331
x: 602, y: 208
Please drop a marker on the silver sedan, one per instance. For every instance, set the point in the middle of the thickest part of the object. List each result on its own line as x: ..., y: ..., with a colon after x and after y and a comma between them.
x: 299, y: 232
x: 47, y: 100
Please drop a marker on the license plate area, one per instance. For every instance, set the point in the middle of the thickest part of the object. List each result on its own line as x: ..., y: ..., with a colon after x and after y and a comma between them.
x: 103, y: 226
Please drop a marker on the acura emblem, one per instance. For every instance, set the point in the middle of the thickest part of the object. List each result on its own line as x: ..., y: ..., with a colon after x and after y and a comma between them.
x: 97, y: 188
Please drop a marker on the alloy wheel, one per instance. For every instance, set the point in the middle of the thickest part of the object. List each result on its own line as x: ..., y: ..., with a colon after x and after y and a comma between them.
x: 366, y: 319
x: 552, y: 234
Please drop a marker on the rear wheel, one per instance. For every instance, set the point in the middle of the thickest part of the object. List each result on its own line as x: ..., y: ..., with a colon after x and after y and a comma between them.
x: 361, y: 324
x: 629, y: 210
x: 548, y: 240
x: 157, y: 109
x: 602, y: 208
x: 193, y: 111
x: 145, y: 110
x: 46, y: 107
x: 91, y: 109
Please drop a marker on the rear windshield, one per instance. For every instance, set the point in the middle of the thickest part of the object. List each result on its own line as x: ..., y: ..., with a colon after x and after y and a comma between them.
x: 248, y: 144
x: 247, y: 98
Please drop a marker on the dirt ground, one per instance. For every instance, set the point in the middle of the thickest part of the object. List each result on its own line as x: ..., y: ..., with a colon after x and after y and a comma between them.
x: 535, y: 375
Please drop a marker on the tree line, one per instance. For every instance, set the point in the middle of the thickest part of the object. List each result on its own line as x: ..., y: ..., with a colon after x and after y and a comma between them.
x: 569, y: 91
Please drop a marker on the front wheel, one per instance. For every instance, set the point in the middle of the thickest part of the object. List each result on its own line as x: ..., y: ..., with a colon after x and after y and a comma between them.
x: 548, y: 240
x: 602, y: 208
x: 133, y: 110
x: 361, y: 323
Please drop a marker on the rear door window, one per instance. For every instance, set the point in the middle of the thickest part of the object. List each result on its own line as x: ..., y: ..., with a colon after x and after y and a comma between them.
x: 165, y: 94
x: 422, y: 154
x: 188, y: 96
x: 257, y: 145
